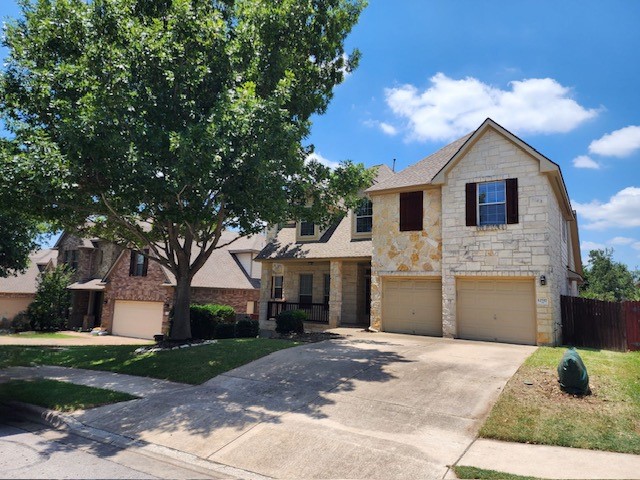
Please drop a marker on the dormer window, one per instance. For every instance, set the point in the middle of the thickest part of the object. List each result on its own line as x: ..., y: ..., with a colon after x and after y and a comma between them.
x: 307, y: 229
x: 364, y: 216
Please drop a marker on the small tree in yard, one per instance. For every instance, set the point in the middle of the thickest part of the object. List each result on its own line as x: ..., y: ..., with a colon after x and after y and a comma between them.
x: 159, y: 123
x: 606, y: 279
x: 48, y: 311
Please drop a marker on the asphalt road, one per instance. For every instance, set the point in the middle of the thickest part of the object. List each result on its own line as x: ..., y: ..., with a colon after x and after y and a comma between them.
x: 31, y: 450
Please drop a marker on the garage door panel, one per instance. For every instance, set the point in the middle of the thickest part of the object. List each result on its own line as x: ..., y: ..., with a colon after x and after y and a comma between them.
x: 137, y: 319
x: 496, y: 310
x: 412, y: 306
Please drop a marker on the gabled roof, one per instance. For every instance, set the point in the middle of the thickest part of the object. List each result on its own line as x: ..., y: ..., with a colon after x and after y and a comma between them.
x: 28, y: 281
x: 422, y: 172
x: 336, y: 242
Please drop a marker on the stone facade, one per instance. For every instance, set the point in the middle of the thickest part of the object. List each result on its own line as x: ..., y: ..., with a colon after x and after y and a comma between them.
x: 397, y: 253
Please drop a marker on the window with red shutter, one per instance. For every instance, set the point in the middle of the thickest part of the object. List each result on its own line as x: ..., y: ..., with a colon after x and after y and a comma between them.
x: 411, y: 212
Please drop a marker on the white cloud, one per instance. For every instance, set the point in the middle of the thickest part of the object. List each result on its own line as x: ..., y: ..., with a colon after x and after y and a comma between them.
x: 622, y: 210
x: 584, y: 161
x: 450, y: 108
x: 620, y: 143
x: 324, y: 161
x: 636, y: 246
x: 388, y: 129
x: 588, y: 246
x: 621, y: 241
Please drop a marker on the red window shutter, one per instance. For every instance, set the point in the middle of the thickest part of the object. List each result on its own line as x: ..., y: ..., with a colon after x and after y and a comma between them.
x: 512, y: 200
x: 145, y: 264
x: 411, y: 211
x: 471, y: 206
x: 132, y: 264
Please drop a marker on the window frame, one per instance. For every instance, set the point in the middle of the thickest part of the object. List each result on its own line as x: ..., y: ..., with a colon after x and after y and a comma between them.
x: 368, y: 204
x: 302, y: 302
x: 485, y: 204
x: 302, y: 224
x: 139, y: 268
x: 275, y: 287
x: 326, y: 289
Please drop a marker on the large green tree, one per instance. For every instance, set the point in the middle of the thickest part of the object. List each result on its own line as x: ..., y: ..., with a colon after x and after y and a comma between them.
x: 159, y: 123
x: 606, y: 279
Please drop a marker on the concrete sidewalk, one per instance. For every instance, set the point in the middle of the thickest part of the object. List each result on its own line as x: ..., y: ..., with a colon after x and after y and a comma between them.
x: 137, y: 386
x: 550, y: 462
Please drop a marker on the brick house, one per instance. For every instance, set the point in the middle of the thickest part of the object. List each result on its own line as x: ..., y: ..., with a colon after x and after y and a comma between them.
x: 17, y: 292
x: 128, y: 295
x: 476, y: 241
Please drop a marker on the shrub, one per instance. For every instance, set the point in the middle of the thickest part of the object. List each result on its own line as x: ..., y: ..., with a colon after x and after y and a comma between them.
x: 203, y: 322
x: 247, y: 328
x: 290, y: 321
x: 20, y: 323
x: 225, y: 330
x: 49, y: 308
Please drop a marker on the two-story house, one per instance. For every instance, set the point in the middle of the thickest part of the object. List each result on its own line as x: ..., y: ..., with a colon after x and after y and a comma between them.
x: 476, y: 241
x: 123, y: 292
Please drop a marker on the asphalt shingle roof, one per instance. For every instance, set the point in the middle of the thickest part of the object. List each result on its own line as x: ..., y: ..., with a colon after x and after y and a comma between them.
x: 28, y: 281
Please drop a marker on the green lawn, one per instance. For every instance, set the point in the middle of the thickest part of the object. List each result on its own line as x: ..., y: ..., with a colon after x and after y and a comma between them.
x: 62, y: 396
x: 190, y: 365
x: 481, y: 474
x: 608, y: 419
x: 41, y: 335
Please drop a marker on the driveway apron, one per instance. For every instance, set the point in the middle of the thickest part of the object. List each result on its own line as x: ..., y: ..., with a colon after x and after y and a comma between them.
x: 368, y: 406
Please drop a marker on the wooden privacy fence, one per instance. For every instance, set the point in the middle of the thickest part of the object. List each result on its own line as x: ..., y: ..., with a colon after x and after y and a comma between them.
x: 598, y: 324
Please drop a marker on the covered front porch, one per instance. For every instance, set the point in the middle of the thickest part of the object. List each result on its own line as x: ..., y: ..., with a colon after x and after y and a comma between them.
x: 331, y: 292
x: 86, y: 304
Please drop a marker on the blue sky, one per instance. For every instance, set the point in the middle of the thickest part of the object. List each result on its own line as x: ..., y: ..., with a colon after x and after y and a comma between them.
x: 561, y: 75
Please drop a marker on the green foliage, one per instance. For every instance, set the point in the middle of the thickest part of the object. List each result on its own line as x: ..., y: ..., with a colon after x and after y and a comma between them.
x: 205, y: 318
x: 290, y: 321
x: 17, y: 240
x: 49, y: 308
x: 247, y: 328
x: 225, y: 330
x: 606, y: 279
x: 129, y: 112
x: 20, y: 322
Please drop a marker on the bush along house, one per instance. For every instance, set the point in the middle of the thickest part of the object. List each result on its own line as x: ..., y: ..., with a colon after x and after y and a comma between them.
x: 476, y: 241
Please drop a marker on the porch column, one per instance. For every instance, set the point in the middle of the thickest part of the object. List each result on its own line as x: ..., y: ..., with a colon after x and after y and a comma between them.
x: 335, y: 294
x: 265, y: 292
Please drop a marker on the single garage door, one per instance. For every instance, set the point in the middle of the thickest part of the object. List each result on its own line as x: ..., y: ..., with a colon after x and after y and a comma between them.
x: 412, y: 306
x: 496, y: 310
x: 137, y: 319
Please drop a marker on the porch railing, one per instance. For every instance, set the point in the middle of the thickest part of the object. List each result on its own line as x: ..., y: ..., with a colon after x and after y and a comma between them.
x: 316, y: 312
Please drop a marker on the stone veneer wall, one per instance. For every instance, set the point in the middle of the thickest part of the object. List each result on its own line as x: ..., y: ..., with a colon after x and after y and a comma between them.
x: 121, y: 286
x: 529, y: 248
x: 235, y: 297
x: 403, y: 253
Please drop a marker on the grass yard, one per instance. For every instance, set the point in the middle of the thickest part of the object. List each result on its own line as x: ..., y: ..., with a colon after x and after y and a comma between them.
x: 608, y: 419
x: 481, y: 474
x: 61, y: 396
x: 53, y: 335
x: 190, y: 365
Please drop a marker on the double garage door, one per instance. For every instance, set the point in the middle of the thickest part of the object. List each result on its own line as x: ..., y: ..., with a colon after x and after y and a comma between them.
x: 489, y: 309
x: 137, y: 319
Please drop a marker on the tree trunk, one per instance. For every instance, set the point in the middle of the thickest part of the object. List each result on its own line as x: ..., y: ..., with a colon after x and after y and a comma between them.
x: 181, y: 329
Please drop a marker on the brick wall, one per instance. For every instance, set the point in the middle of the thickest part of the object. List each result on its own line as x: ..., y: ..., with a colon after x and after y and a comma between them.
x: 234, y: 297
x: 121, y: 286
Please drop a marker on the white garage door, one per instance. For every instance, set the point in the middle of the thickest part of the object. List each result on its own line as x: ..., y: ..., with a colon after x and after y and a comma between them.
x: 497, y: 310
x: 412, y: 306
x: 137, y: 319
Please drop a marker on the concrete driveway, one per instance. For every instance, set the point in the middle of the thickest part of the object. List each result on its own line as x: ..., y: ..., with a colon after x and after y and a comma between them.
x: 369, y: 406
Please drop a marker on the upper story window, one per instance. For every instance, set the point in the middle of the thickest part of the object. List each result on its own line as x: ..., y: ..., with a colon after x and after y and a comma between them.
x: 307, y: 229
x: 71, y: 258
x: 364, y: 216
x: 139, y: 264
x: 411, y: 212
x: 492, y: 203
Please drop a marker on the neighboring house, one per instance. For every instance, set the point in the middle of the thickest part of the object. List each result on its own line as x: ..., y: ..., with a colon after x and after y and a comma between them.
x: 123, y: 292
x: 476, y: 241
x: 17, y: 292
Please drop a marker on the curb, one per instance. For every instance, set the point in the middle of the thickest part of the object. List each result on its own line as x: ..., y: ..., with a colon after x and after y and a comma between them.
x: 60, y: 421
